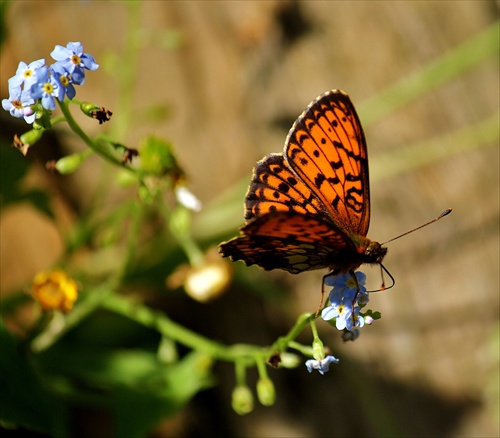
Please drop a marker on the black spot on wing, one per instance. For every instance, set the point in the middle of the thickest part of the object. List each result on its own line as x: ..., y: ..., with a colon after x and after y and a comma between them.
x: 319, y: 179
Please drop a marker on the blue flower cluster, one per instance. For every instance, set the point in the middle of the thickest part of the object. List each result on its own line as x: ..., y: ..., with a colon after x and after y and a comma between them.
x: 347, y: 297
x: 36, y: 81
x: 346, y: 300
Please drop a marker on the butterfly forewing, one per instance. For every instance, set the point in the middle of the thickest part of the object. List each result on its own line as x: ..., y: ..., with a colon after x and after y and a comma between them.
x: 275, y: 187
x: 326, y: 148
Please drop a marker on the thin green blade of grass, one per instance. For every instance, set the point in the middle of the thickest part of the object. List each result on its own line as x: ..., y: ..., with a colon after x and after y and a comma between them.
x: 450, y: 65
x: 402, y: 160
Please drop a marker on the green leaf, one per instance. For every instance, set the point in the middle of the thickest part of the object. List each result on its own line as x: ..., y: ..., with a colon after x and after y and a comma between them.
x: 136, y: 385
x: 140, y: 407
x: 24, y: 401
x: 13, y: 168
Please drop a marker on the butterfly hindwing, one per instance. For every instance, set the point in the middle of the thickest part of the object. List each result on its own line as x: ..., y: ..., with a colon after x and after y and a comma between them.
x: 326, y: 148
x: 289, y: 241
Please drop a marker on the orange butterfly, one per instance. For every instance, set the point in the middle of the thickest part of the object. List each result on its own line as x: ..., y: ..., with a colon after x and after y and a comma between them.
x: 309, y: 208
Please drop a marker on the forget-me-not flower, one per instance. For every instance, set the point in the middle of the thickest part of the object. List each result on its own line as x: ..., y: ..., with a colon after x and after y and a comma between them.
x: 47, y: 87
x: 74, y: 60
x: 322, y: 365
x: 19, y: 104
x: 65, y: 80
x: 26, y: 74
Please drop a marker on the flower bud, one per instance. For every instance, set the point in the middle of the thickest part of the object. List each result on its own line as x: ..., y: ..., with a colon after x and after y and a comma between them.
x: 31, y: 137
x: 242, y: 400
x: 69, y: 163
x: 42, y: 120
x: 266, y: 392
x: 289, y: 360
x: 88, y: 108
x: 318, y: 349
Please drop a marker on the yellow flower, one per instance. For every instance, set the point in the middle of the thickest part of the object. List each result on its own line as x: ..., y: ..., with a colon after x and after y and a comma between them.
x: 54, y: 290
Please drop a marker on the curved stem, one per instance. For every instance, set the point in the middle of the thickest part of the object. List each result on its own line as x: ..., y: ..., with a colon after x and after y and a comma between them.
x: 159, y: 321
x: 283, y: 342
x: 107, y: 154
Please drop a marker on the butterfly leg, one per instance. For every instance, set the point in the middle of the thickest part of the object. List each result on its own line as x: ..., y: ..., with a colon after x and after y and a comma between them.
x: 321, y: 302
x: 355, y: 279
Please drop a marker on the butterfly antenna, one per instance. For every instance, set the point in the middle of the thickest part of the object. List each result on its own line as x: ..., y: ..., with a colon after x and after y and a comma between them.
x: 443, y: 214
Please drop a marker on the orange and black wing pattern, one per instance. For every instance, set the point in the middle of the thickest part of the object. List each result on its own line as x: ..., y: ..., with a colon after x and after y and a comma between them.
x: 308, y: 208
x: 326, y: 149
x: 290, y: 241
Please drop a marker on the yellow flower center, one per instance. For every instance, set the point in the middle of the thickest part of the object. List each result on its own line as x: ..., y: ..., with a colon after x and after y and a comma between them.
x: 48, y: 88
x: 75, y: 59
x: 64, y: 80
x: 350, y: 283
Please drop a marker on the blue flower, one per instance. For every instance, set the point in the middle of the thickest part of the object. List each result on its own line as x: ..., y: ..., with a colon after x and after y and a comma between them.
x: 342, y: 312
x: 322, y: 365
x: 345, y: 285
x: 18, y: 104
x: 341, y: 301
x: 362, y: 298
x: 47, y: 87
x: 26, y: 74
x: 337, y: 281
x: 74, y: 61
x: 65, y: 80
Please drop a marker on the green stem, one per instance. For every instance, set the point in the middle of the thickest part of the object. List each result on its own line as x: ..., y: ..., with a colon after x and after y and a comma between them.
x: 164, y: 325
x: 283, y: 342
x: 314, y: 330
x: 243, y: 355
x: 99, y: 149
x: 240, y: 371
x: 261, y: 367
x: 305, y: 350
x: 191, y: 249
x: 62, y: 324
x: 131, y: 245
x: 179, y: 221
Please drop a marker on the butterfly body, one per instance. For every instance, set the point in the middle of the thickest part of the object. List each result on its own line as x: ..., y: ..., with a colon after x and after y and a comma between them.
x: 309, y: 208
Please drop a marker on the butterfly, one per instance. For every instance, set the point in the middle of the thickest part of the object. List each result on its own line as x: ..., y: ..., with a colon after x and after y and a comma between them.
x: 309, y: 207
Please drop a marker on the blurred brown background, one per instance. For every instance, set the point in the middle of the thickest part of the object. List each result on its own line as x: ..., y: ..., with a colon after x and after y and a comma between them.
x: 242, y: 73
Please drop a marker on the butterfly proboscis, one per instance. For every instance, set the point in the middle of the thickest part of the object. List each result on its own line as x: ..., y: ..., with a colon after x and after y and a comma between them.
x: 382, y: 267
